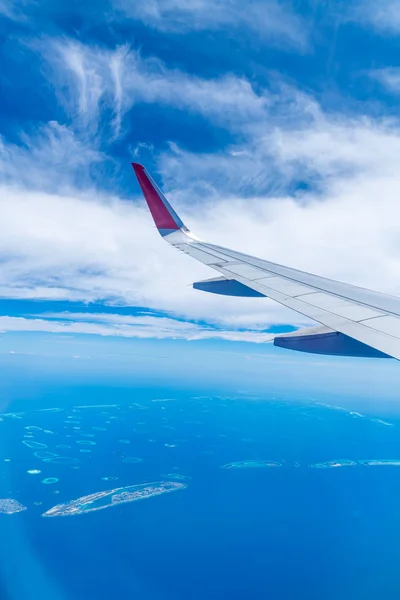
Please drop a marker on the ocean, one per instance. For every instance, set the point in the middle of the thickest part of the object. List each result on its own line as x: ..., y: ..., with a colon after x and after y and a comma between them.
x: 267, y: 506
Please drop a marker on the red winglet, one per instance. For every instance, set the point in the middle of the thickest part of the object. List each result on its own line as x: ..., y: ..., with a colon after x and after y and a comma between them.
x: 163, y: 214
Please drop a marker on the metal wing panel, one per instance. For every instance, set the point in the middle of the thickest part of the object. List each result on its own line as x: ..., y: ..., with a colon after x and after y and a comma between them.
x: 244, y: 270
x: 384, y: 302
x: 387, y: 324
x: 286, y: 286
x: 337, y: 307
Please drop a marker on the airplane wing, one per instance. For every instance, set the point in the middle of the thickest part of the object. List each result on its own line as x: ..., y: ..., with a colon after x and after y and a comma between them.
x: 354, y: 321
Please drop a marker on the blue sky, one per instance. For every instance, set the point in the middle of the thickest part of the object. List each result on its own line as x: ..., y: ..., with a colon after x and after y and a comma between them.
x: 273, y: 127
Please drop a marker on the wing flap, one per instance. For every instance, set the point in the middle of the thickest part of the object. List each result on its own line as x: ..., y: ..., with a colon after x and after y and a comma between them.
x: 322, y: 340
x: 387, y: 324
x: 226, y: 287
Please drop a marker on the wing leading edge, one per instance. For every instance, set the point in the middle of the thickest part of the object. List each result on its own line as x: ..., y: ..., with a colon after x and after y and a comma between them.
x: 355, y: 321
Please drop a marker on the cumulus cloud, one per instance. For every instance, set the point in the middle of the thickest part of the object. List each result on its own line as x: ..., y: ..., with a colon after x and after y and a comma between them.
x: 66, y: 247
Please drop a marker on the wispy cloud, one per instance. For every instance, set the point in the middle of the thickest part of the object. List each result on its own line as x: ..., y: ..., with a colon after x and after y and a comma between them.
x: 98, y: 85
x: 52, y: 158
x: 384, y: 15
x: 272, y: 22
x: 389, y: 77
x: 134, y: 327
x: 290, y: 149
x: 13, y: 10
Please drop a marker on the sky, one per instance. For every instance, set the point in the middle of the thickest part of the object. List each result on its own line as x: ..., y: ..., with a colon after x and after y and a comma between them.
x: 272, y: 126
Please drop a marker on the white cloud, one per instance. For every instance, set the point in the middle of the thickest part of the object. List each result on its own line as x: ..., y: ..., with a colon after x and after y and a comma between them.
x: 388, y: 78
x: 13, y: 10
x: 53, y: 158
x: 89, y: 81
x: 383, y: 15
x: 133, y: 327
x: 90, y: 249
x: 6, y: 8
x: 323, y: 150
x: 270, y: 21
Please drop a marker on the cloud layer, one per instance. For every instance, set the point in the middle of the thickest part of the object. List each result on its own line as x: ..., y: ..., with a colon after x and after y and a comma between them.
x: 129, y: 327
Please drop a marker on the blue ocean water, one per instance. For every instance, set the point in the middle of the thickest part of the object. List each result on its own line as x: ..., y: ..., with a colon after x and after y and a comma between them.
x: 291, y: 531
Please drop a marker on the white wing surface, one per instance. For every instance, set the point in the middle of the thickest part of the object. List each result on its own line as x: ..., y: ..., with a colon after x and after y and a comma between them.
x: 366, y: 323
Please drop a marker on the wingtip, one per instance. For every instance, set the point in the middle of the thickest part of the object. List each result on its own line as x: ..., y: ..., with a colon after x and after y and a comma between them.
x: 138, y: 168
x: 164, y: 216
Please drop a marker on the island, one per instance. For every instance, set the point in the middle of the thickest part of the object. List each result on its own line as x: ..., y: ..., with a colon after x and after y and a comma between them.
x: 380, y: 462
x: 333, y: 464
x: 251, y: 464
x: 114, y: 497
x: 9, y: 506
